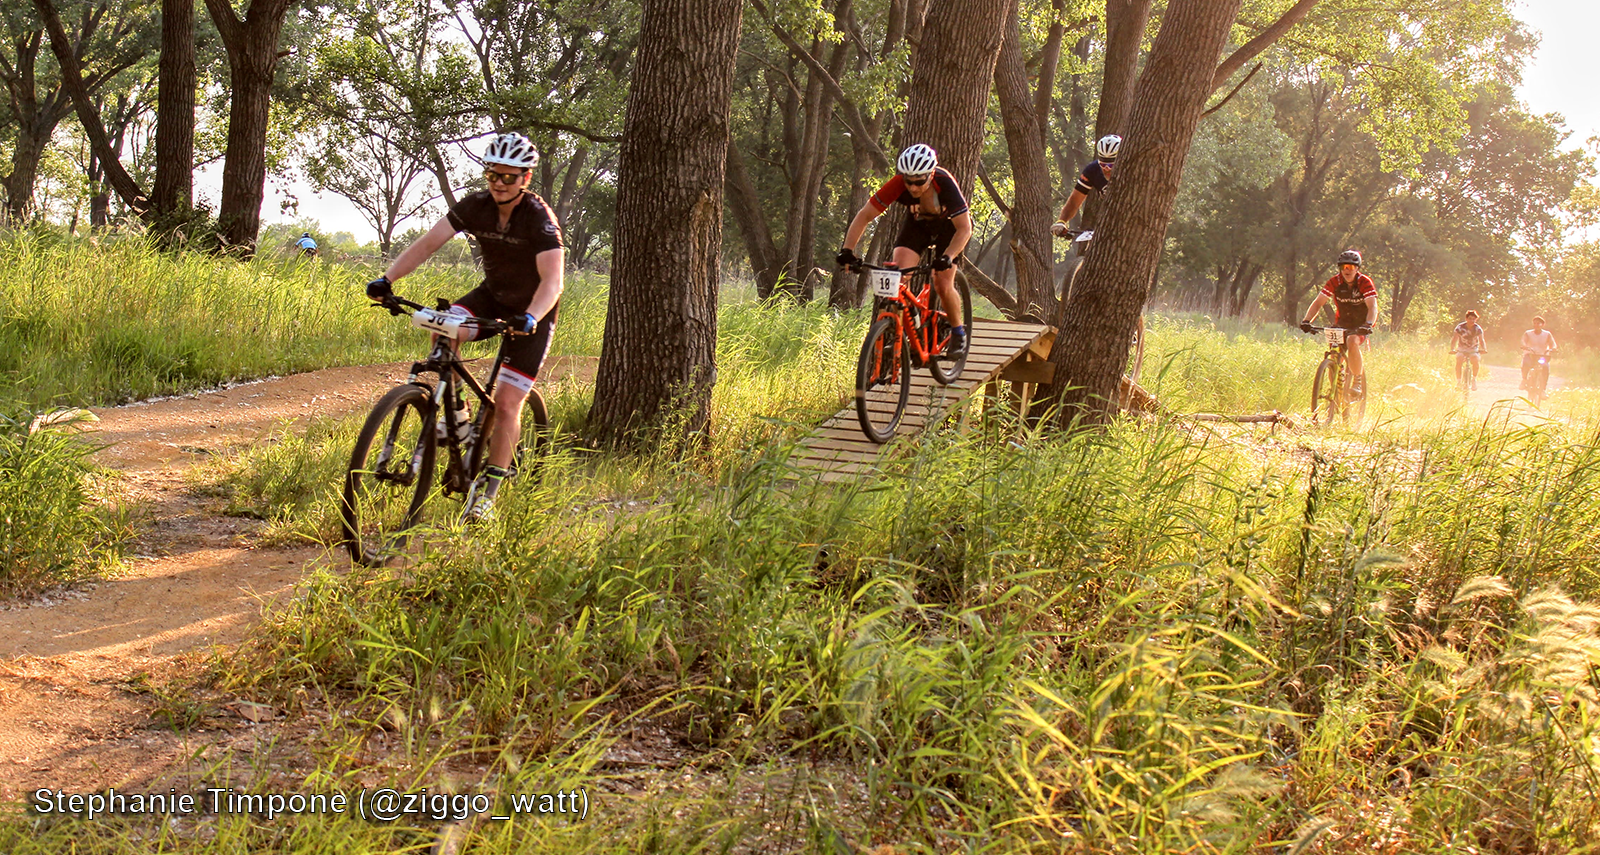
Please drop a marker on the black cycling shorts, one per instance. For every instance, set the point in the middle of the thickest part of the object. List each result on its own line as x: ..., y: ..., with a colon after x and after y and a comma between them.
x: 918, y: 235
x: 524, y: 354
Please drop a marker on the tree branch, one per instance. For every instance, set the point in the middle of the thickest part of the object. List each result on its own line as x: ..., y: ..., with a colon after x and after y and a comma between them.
x: 852, y: 113
x: 983, y: 175
x: 1229, y: 97
x: 1253, y: 48
x: 72, y: 79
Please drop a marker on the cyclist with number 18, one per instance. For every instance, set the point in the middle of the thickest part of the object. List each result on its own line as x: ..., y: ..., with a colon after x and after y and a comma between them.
x: 938, y: 217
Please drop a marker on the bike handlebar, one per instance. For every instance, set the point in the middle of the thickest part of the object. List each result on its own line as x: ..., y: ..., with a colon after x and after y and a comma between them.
x: 397, y: 306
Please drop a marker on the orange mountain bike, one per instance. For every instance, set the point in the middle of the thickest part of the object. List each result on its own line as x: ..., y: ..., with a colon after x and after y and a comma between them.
x: 908, y: 328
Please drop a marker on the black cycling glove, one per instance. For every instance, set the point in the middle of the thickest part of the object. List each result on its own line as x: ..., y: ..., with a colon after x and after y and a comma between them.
x: 380, y: 288
x: 1363, y: 330
x: 847, y: 258
x: 1305, y: 326
x: 523, y: 323
x: 941, y: 263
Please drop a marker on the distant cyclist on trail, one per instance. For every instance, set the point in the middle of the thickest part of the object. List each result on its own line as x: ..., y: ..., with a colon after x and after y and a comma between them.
x: 938, y: 217
x: 1094, y: 178
x: 306, y: 244
x: 1536, y: 342
x: 1468, y: 343
x: 1355, y: 309
x: 523, y: 256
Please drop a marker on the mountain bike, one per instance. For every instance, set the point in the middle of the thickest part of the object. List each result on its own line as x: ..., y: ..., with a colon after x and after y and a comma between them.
x: 908, y: 329
x: 1080, y: 246
x: 1466, y: 374
x: 1332, y: 393
x: 392, y: 466
x: 1538, y: 378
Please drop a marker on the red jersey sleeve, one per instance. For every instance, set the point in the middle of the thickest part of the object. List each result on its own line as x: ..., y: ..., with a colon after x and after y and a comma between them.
x: 888, y: 194
x: 1367, y: 288
x: 1327, y: 287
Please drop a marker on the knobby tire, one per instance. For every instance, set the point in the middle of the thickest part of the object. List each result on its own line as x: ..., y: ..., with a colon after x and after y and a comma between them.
x: 1325, y: 392
x: 390, y: 474
x: 947, y: 370
x: 883, y: 380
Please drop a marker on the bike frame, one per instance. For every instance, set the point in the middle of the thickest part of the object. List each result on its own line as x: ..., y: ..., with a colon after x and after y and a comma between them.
x: 445, y: 361
x: 906, y: 305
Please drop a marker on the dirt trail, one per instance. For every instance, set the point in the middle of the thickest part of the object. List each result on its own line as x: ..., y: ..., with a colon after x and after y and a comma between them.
x: 71, y: 662
x: 1498, y: 383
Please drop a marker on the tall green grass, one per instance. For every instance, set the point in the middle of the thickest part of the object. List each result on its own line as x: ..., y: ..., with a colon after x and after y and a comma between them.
x: 55, y: 524
x: 1150, y: 639
x: 97, y: 322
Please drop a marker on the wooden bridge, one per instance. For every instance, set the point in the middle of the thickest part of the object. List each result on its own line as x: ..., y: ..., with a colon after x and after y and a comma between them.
x: 998, y: 351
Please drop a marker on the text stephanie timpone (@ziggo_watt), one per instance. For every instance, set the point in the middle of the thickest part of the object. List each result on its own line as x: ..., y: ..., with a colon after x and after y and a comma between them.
x: 374, y: 804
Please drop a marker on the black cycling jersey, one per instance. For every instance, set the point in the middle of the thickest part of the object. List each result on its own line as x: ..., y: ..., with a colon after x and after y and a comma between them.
x: 510, y: 268
x: 951, y: 202
x: 1093, y: 179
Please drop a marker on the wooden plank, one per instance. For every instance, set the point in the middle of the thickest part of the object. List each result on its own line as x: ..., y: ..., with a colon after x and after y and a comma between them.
x: 1029, y: 372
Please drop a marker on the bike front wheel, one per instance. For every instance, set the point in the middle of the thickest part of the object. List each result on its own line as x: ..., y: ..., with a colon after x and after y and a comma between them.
x: 947, y: 369
x: 391, y: 471
x: 1325, y: 392
x: 883, y: 380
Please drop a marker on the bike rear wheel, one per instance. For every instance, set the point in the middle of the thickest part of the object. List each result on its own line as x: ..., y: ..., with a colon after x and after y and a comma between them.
x: 1325, y: 392
x: 947, y: 369
x: 390, y: 474
x: 883, y: 380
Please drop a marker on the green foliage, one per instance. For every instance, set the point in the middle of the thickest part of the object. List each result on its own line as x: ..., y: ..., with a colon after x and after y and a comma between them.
x: 55, y: 527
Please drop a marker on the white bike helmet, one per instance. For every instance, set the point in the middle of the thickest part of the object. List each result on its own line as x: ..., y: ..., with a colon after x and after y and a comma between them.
x: 1108, y: 147
x: 918, y: 159
x: 511, y: 150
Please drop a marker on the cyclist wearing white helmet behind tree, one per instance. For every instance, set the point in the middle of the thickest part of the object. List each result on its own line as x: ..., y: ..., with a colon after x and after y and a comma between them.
x: 939, y: 218
x: 1093, y: 179
x: 522, y: 282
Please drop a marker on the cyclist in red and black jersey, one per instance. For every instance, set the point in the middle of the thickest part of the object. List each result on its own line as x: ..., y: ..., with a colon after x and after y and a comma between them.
x: 938, y: 218
x: 523, y: 257
x: 1094, y: 178
x: 1355, y: 307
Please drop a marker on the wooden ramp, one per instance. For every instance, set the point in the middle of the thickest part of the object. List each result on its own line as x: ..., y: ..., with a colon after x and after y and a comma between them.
x: 999, y: 350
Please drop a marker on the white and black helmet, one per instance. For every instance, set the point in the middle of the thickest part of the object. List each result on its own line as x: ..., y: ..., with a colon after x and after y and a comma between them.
x: 511, y: 150
x: 1108, y: 147
x: 918, y: 159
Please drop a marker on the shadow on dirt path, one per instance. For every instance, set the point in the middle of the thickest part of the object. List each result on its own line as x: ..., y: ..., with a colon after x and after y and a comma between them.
x: 76, y: 667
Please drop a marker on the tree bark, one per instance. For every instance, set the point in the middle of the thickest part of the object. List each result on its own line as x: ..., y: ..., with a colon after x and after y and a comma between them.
x: 658, y: 359
x: 1030, y: 172
x: 173, y: 189
x: 252, y: 47
x: 1092, y: 348
x: 950, y: 78
x: 72, y: 80
x: 1126, y: 21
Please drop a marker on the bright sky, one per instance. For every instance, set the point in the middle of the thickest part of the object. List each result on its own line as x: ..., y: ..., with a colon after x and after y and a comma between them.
x: 1559, y: 79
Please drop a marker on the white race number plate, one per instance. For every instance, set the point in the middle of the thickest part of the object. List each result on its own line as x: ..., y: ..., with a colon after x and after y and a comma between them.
x: 886, y: 283
x: 1335, y: 336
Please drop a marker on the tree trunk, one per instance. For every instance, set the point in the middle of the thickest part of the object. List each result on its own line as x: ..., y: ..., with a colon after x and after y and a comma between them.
x: 1126, y: 21
x: 765, y: 262
x: 88, y: 117
x: 24, y: 175
x: 1030, y: 173
x: 1092, y: 349
x: 252, y: 47
x: 658, y: 358
x: 950, y: 79
x: 173, y: 191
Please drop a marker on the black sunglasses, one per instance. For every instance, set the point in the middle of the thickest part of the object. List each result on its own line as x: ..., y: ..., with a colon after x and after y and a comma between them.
x: 493, y: 176
x: 914, y: 182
